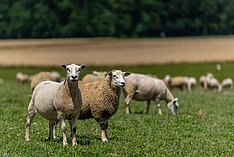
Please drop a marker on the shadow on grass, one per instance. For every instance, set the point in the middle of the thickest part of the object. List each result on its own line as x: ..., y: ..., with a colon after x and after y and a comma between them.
x: 81, y: 140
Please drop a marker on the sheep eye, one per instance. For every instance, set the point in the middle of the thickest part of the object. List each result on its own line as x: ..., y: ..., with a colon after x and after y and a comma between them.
x: 114, y: 76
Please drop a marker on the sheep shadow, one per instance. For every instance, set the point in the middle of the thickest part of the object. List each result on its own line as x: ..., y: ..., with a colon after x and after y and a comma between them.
x: 83, y: 140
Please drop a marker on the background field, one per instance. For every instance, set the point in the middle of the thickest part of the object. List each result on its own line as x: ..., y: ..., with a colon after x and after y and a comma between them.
x: 204, y: 126
x: 112, y: 52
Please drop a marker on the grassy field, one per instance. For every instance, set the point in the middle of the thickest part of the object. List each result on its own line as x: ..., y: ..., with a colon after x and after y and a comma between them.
x: 204, y: 127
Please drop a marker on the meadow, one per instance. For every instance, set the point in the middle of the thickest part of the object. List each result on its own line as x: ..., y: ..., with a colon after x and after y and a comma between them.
x: 204, y: 126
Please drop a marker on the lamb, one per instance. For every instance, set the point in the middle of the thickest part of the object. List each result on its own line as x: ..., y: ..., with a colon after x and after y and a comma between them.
x: 101, y: 99
x: 57, y: 102
x: 144, y: 88
x: 96, y: 76
x: 22, y: 78
x: 41, y: 76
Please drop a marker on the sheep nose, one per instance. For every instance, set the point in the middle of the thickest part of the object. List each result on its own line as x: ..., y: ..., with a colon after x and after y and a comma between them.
x: 123, y: 83
x: 73, y: 76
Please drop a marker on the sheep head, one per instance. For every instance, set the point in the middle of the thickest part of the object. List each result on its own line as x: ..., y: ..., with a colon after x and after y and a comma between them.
x: 117, y: 77
x: 173, y: 106
x: 73, y: 71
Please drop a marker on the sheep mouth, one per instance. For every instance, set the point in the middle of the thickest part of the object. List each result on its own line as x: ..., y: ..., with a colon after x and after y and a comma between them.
x: 73, y: 80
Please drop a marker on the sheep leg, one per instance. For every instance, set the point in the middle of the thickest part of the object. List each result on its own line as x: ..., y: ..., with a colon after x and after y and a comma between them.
x: 103, y: 125
x: 61, y: 118
x: 158, y: 106
x: 52, y: 129
x: 73, y: 131
x: 148, y: 105
x: 127, y: 101
x: 31, y: 115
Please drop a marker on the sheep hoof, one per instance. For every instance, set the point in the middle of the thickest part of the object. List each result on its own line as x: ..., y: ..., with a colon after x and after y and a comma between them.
x: 104, y: 140
x: 64, y: 144
x: 27, y: 139
x: 74, y: 144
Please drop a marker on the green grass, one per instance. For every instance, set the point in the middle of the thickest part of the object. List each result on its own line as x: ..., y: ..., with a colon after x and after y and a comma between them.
x: 204, y: 127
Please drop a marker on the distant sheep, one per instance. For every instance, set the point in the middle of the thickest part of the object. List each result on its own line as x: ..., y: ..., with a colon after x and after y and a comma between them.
x: 22, y: 78
x: 57, y: 102
x: 101, y: 99
x: 95, y: 76
x: 179, y: 82
x: 44, y: 76
x: 227, y: 83
x: 144, y: 88
x: 209, y: 82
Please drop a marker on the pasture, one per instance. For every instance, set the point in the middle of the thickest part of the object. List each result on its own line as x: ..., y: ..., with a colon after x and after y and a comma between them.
x: 204, y: 127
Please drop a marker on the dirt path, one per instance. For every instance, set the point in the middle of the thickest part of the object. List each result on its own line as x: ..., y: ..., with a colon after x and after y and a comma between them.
x: 108, y: 51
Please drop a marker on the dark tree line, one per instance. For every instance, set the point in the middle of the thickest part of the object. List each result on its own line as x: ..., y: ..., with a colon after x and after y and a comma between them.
x: 117, y: 18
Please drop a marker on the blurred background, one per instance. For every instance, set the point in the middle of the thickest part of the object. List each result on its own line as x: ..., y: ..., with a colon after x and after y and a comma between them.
x: 115, y: 18
x: 109, y: 32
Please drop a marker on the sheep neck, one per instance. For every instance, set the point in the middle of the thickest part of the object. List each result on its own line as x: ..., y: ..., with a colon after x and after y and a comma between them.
x: 71, y: 88
x: 169, y: 96
x: 117, y: 90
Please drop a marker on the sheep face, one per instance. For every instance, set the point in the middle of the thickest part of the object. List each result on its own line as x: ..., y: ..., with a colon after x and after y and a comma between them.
x: 173, y: 106
x: 73, y: 71
x: 117, y: 77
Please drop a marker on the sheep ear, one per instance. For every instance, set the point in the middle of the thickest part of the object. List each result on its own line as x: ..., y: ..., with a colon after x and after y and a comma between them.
x: 126, y: 73
x: 175, y: 100
x: 95, y: 72
x: 82, y: 66
x: 64, y: 66
x: 110, y: 73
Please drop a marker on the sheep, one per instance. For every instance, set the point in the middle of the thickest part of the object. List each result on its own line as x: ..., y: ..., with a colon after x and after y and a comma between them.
x: 180, y: 82
x: 209, y: 82
x: 56, y: 76
x: 95, y: 76
x: 101, y: 99
x: 39, y: 77
x: 57, y: 102
x: 227, y: 83
x: 144, y: 88
x: 22, y: 78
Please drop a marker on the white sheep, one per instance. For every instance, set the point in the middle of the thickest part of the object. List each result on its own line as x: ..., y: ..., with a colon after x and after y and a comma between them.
x: 95, y: 76
x: 210, y: 82
x: 22, y: 78
x: 227, y: 83
x: 144, y: 88
x: 101, y: 99
x: 57, y: 102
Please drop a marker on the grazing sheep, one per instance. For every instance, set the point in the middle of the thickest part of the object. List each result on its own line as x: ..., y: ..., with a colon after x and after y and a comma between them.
x: 96, y: 76
x: 180, y: 82
x: 209, y: 82
x: 57, y: 102
x: 22, y: 78
x: 39, y: 77
x: 101, y: 99
x: 227, y: 83
x: 144, y: 88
